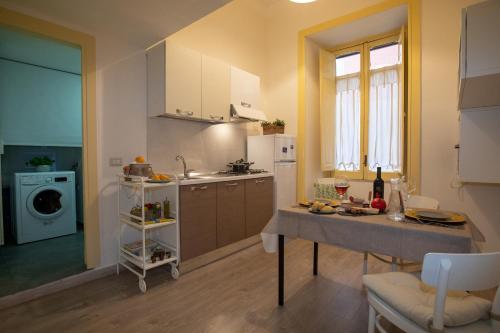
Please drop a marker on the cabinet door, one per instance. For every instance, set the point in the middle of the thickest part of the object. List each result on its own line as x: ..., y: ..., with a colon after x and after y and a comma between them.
x: 245, y: 88
x: 230, y: 212
x: 259, y: 196
x: 155, y: 60
x: 216, y: 90
x: 182, y: 81
x: 198, y: 214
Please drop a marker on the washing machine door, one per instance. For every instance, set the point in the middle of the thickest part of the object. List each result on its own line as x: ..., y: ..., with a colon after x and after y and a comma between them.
x: 46, y: 202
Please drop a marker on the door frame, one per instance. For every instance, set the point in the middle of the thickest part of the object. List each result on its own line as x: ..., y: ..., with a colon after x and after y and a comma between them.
x: 87, y: 45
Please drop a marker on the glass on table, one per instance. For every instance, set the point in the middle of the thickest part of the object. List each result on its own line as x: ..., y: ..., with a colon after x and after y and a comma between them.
x: 341, y: 184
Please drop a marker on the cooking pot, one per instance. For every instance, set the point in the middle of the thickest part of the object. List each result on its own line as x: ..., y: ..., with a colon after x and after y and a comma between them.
x: 140, y: 169
x: 240, y: 166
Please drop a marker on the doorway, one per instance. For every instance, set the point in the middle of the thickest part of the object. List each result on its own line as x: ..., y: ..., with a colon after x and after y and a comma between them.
x: 41, y: 131
x: 72, y: 156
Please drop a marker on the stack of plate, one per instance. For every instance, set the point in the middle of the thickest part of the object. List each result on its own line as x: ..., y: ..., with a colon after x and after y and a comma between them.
x: 435, y: 216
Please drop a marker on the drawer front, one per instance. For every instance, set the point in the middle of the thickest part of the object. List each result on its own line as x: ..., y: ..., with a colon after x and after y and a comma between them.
x: 259, y: 198
x: 230, y: 212
x: 198, y: 216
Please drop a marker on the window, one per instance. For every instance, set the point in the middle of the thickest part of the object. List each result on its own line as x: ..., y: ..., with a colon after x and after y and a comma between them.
x: 368, y: 108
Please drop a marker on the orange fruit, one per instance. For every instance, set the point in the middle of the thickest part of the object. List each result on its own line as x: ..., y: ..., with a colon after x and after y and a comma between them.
x: 140, y: 159
x: 164, y: 177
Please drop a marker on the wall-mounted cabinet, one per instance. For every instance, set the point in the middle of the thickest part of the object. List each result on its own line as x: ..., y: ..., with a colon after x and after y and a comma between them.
x: 480, y: 56
x: 215, y: 91
x: 245, y: 89
x: 479, y: 99
x: 183, y: 83
x: 173, y: 81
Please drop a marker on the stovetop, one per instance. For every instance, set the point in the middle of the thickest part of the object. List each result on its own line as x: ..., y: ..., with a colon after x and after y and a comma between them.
x: 247, y: 172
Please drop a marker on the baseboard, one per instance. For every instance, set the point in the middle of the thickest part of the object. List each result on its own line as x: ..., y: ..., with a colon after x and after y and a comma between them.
x: 55, y: 286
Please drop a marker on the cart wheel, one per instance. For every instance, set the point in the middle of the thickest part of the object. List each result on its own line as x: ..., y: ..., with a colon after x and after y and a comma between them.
x: 174, y: 271
x: 142, y: 285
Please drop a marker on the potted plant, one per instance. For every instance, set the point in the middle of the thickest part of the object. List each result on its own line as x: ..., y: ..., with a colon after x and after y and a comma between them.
x: 42, y: 163
x: 275, y: 127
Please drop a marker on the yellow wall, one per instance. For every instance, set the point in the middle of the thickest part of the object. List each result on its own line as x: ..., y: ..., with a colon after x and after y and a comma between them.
x: 233, y: 34
x: 261, y: 37
x: 439, y: 131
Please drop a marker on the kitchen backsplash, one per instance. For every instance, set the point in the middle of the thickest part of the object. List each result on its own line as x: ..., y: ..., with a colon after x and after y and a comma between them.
x: 205, y: 147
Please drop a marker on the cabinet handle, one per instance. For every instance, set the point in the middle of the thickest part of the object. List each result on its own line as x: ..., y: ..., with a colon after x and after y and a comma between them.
x: 232, y: 184
x: 186, y: 113
x: 258, y: 181
x: 201, y: 188
x: 216, y: 117
x: 246, y: 105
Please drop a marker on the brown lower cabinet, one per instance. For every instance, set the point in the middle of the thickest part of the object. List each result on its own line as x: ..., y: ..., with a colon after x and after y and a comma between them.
x: 218, y: 214
x: 230, y: 212
x: 198, y: 213
x: 259, y: 196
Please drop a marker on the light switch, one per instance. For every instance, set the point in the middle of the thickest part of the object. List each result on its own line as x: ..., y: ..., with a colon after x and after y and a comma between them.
x: 115, y: 161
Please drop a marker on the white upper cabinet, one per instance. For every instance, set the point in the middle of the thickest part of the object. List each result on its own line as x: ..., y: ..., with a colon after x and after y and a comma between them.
x: 216, y: 90
x: 480, y: 56
x: 245, y: 89
x: 182, y: 83
x: 173, y: 81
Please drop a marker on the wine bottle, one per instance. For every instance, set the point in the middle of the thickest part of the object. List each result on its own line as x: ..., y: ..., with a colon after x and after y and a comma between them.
x: 378, y: 184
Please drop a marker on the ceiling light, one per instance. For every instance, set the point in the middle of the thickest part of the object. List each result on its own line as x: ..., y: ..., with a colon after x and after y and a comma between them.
x: 302, y: 1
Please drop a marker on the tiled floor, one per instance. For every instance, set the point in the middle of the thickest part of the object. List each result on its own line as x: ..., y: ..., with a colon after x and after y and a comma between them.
x: 29, y: 265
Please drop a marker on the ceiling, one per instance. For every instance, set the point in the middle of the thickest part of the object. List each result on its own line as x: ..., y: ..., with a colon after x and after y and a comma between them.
x: 389, y: 20
x: 131, y: 23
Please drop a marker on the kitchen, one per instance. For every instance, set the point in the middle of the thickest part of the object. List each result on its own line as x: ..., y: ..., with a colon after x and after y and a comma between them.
x: 247, y: 31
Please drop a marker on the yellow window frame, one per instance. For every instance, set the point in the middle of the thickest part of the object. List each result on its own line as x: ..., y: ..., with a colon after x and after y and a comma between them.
x: 364, y: 47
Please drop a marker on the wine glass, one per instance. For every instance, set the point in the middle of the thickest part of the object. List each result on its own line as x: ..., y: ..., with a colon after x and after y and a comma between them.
x: 341, y: 184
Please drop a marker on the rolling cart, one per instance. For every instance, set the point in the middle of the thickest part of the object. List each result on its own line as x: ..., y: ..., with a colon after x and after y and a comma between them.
x: 143, y: 239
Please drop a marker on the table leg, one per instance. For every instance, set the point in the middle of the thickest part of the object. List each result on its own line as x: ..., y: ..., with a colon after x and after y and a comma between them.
x: 281, y: 270
x: 315, y: 259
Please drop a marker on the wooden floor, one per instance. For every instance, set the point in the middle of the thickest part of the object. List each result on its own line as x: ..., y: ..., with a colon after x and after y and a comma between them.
x: 236, y: 294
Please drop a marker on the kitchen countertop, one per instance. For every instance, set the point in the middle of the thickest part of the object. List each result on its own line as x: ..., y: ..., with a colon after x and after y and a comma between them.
x: 219, y: 178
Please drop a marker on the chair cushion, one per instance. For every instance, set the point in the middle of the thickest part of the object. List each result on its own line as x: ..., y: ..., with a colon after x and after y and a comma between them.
x: 403, y: 292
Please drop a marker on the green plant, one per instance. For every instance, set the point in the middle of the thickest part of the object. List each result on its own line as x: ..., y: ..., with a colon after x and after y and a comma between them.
x: 40, y: 160
x: 279, y: 123
x: 265, y: 124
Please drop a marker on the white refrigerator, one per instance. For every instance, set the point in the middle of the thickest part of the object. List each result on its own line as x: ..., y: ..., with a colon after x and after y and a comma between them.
x: 276, y: 153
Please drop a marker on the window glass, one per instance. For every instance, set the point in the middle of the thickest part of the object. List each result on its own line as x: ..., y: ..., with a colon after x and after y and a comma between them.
x: 384, y: 56
x: 348, y: 64
x: 47, y: 202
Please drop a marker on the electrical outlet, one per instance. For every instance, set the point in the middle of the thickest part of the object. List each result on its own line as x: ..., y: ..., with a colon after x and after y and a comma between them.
x: 115, y: 161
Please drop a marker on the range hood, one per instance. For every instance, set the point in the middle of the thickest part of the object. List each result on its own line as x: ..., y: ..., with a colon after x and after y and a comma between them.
x: 239, y: 112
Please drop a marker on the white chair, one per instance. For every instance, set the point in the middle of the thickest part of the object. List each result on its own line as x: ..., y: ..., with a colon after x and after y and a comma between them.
x: 403, y: 300
x: 414, y: 201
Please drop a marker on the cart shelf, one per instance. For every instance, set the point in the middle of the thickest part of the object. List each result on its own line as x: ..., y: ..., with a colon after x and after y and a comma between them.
x: 137, y: 260
x: 147, y: 226
x: 148, y: 185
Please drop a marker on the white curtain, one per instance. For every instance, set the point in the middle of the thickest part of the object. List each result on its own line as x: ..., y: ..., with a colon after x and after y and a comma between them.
x: 347, y: 124
x: 385, y: 120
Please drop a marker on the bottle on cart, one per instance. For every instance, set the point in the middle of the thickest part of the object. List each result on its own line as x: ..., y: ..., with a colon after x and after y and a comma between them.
x: 378, y: 185
x: 166, y: 208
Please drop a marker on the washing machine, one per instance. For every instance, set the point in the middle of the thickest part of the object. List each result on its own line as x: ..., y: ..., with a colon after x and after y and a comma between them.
x: 44, y: 204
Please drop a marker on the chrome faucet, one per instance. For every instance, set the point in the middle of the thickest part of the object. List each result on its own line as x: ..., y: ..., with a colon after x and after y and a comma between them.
x: 186, y: 171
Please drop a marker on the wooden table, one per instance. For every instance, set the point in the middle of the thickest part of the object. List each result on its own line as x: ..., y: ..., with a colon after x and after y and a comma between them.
x: 371, y: 233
